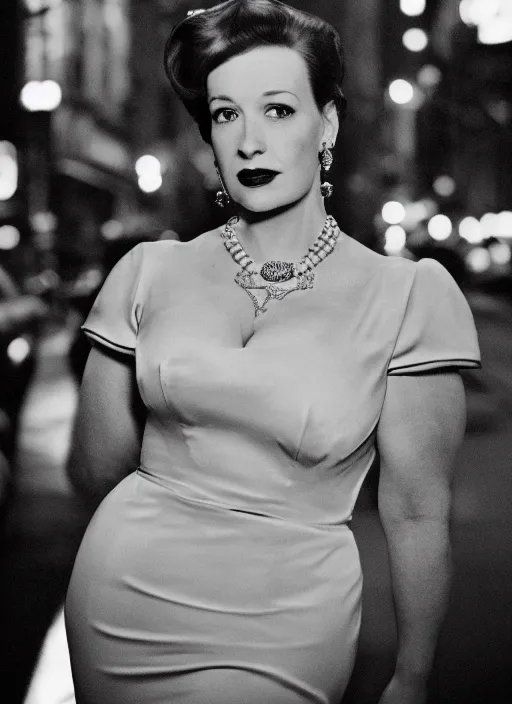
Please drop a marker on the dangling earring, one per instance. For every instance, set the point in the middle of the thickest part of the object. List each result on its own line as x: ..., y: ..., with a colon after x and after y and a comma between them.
x: 326, y: 160
x: 222, y: 197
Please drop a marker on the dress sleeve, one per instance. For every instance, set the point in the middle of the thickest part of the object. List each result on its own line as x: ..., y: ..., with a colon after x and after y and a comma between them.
x: 113, y: 318
x: 437, y: 329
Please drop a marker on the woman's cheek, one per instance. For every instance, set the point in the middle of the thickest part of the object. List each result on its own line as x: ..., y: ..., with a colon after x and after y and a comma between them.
x: 304, y: 153
x: 305, y: 144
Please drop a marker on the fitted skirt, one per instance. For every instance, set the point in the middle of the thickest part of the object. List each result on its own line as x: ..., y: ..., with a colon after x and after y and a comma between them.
x: 174, y: 601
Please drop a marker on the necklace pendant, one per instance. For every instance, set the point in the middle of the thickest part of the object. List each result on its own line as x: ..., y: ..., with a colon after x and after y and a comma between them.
x: 245, y: 279
x: 306, y: 280
x: 261, y: 293
x: 276, y: 272
x: 276, y: 279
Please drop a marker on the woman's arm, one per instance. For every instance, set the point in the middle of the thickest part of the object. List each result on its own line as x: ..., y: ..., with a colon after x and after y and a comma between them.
x: 420, y: 430
x: 108, y: 425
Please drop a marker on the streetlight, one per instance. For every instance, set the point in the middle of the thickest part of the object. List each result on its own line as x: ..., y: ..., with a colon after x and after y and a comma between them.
x: 40, y: 99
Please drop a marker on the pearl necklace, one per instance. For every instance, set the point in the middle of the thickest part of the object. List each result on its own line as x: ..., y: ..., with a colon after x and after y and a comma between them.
x: 276, y: 279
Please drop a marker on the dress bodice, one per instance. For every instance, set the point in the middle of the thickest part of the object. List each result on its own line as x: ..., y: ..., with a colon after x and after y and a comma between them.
x: 284, y: 422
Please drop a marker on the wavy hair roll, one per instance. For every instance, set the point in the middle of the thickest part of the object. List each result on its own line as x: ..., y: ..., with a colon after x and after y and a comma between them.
x: 204, y: 41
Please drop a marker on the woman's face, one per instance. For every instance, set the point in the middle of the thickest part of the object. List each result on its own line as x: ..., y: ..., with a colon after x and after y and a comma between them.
x: 266, y: 127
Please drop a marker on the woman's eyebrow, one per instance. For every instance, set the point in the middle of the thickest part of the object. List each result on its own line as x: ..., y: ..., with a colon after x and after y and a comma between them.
x: 277, y: 92
x: 220, y: 97
x: 265, y: 94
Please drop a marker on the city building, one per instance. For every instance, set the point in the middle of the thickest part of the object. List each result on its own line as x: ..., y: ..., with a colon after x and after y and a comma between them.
x: 79, y: 170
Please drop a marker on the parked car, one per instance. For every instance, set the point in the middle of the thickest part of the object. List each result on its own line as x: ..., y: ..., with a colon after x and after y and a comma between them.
x: 21, y: 317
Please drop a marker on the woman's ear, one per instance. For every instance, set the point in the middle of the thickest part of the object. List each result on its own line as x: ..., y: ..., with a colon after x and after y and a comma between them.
x: 331, y: 123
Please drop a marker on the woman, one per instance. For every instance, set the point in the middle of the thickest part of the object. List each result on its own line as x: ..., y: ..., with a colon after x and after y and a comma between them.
x: 223, y: 569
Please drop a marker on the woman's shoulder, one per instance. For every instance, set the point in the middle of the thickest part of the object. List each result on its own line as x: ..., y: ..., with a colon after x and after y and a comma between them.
x: 167, y: 252
x: 368, y: 263
x: 173, y: 247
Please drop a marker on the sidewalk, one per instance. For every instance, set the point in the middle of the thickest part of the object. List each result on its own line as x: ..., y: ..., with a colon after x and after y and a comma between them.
x: 46, y: 525
x: 46, y: 420
x: 44, y: 529
x: 52, y: 682
x: 52, y: 398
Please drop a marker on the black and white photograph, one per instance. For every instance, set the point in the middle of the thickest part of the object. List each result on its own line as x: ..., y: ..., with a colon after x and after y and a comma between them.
x: 256, y: 351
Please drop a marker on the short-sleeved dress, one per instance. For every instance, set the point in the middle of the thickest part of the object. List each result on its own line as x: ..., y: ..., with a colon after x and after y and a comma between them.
x: 224, y: 570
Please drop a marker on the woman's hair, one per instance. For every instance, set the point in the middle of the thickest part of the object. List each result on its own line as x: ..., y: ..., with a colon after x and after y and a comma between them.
x: 204, y: 41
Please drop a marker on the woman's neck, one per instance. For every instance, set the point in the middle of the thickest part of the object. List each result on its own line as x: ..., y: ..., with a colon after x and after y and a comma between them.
x: 284, y: 234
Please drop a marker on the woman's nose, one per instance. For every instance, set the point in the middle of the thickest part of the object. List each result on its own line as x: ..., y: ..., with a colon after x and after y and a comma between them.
x: 252, y: 140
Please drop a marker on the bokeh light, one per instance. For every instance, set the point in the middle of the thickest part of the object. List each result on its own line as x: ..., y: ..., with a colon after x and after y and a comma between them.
x: 43, y: 221
x: 470, y: 230
x: 465, y: 11
x: 18, y: 350
x: 504, y: 225
x: 478, y: 260
x: 8, y: 170
x: 476, y: 12
x: 500, y: 253
x: 147, y: 164
x: 497, y: 32
x: 394, y: 239
x: 413, y: 8
x: 41, y: 96
x: 440, y: 227
x: 112, y: 229
x: 393, y: 212
x: 444, y: 186
x: 38, y: 5
x: 415, y: 39
x: 9, y: 237
x: 493, y: 18
x: 414, y: 213
x: 150, y: 184
x: 401, y: 91
x: 489, y: 224
x: 149, y: 171
x: 429, y: 76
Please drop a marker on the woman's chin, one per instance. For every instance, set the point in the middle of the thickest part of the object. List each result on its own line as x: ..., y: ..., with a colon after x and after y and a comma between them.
x: 258, y: 202
x: 261, y: 202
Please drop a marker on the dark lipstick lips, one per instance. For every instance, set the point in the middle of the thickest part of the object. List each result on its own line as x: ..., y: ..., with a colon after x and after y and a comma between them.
x: 256, y: 177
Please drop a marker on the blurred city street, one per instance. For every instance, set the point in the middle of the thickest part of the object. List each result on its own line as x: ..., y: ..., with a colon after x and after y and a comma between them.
x: 45, y: 523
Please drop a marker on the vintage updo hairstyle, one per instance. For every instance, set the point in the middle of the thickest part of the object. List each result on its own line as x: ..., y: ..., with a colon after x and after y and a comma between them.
x: 202, y: 42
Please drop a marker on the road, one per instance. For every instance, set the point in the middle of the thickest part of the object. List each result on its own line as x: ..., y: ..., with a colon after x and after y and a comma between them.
x: 474, y: 663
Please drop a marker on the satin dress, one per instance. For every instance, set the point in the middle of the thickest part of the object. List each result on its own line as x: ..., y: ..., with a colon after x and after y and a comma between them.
x: 224, y: 570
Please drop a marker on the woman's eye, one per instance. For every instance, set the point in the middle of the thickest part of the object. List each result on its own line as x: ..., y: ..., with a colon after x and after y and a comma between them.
x: 224, y: 115
x: 279, y: 112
